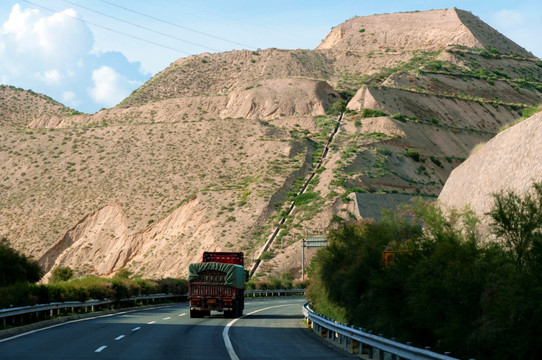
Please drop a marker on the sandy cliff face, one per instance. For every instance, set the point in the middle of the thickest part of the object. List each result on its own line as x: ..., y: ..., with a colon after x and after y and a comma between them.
x: 97, y: 243
x: 512, y: 160
x: 100, y: 243
x: 280, y: 97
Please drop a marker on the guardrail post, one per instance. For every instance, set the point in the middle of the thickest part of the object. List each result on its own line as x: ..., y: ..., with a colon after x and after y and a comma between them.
x: 323, y: 332
x: 356, y: 347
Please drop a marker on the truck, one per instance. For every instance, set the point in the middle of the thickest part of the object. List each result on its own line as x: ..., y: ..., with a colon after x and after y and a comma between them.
x: 217, y: 283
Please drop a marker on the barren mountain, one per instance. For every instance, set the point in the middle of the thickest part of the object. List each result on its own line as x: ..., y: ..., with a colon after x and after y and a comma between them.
x: 210, y: 153
x: 19, y: 107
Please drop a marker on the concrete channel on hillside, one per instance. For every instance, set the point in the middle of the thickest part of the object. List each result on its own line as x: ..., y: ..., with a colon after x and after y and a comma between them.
x: 274, y: 234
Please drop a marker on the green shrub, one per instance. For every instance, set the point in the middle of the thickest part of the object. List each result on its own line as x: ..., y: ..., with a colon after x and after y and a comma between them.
x: 367, y: 113
x: 445, y: 286
x: 173, y: 286
x: 62, y: 273
x: 305, y: 198
x: 383, y: 151
x: 266, y: 256
x: 337, y: 108
x: 400, y: 117
x: 518, y: 221
x: 16, y: 267
x: 528, y: 112
x: 436, y: 161
x: 414, y: 155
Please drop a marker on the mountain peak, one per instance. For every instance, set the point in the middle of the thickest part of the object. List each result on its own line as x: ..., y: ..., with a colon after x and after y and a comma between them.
x: 425, y: 30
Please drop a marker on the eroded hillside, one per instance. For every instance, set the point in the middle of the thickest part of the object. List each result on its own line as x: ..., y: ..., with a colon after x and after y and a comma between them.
x: 511, y: 161
x: 210, y: 153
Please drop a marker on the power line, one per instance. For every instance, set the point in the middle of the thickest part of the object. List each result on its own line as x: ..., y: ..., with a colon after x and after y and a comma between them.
x: 140, y: 26
x: 109, y: 29
x: 177, y: 25
x: 260, y: 28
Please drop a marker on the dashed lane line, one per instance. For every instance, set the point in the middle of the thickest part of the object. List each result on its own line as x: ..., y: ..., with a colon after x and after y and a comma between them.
x: 119, y: 337
x: 136, y: 328
x: 100, y: 348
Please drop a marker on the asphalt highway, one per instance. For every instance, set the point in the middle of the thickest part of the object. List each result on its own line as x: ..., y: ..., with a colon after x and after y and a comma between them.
x: 270, y: 329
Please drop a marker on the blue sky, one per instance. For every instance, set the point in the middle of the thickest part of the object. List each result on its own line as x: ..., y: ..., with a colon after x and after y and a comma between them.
x: 91, y: 54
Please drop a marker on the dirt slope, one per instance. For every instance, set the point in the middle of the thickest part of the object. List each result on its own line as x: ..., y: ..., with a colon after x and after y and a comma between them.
x: 512, y: 160
x: 210, y: 153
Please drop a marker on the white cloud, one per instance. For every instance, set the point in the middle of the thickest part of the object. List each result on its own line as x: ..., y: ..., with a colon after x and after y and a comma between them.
x: 52, y: 76
x: 109, y: 86
x: 508, y: 19
x: 52, y: 54
x: 70, y: 98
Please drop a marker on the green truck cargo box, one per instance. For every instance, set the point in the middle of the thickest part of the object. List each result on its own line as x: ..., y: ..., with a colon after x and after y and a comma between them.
x: 235, y: 274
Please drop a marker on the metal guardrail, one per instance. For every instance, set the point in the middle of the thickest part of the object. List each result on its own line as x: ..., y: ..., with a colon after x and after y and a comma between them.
x: 56, y: 308
x: 278, y: 292
x: 362, y: 342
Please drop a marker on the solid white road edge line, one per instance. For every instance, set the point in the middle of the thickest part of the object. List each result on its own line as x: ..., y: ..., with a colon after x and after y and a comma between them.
x: 225, y: 336
x: 100, y: 348
x: 61, y: 324
x: 73, y: 321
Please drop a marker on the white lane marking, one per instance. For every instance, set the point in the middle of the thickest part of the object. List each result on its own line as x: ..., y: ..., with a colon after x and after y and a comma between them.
x: 151, y: 322
x: 137, y: 328
x: 74, y: 321
x: 166, y: 318
x: 183, y: 314
x: 62, y: 324
x: 225, y: 336
x: 100, y: 348
x: 119, y: 337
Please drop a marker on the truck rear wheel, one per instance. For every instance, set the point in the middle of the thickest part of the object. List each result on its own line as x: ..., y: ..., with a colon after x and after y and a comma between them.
x: 196, y: 313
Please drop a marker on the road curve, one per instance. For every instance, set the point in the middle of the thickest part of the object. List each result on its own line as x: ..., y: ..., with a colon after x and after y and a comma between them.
x: 271, y: 329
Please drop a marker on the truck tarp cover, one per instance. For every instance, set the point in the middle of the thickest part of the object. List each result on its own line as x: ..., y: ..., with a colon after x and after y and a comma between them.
x: 235, y: 274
